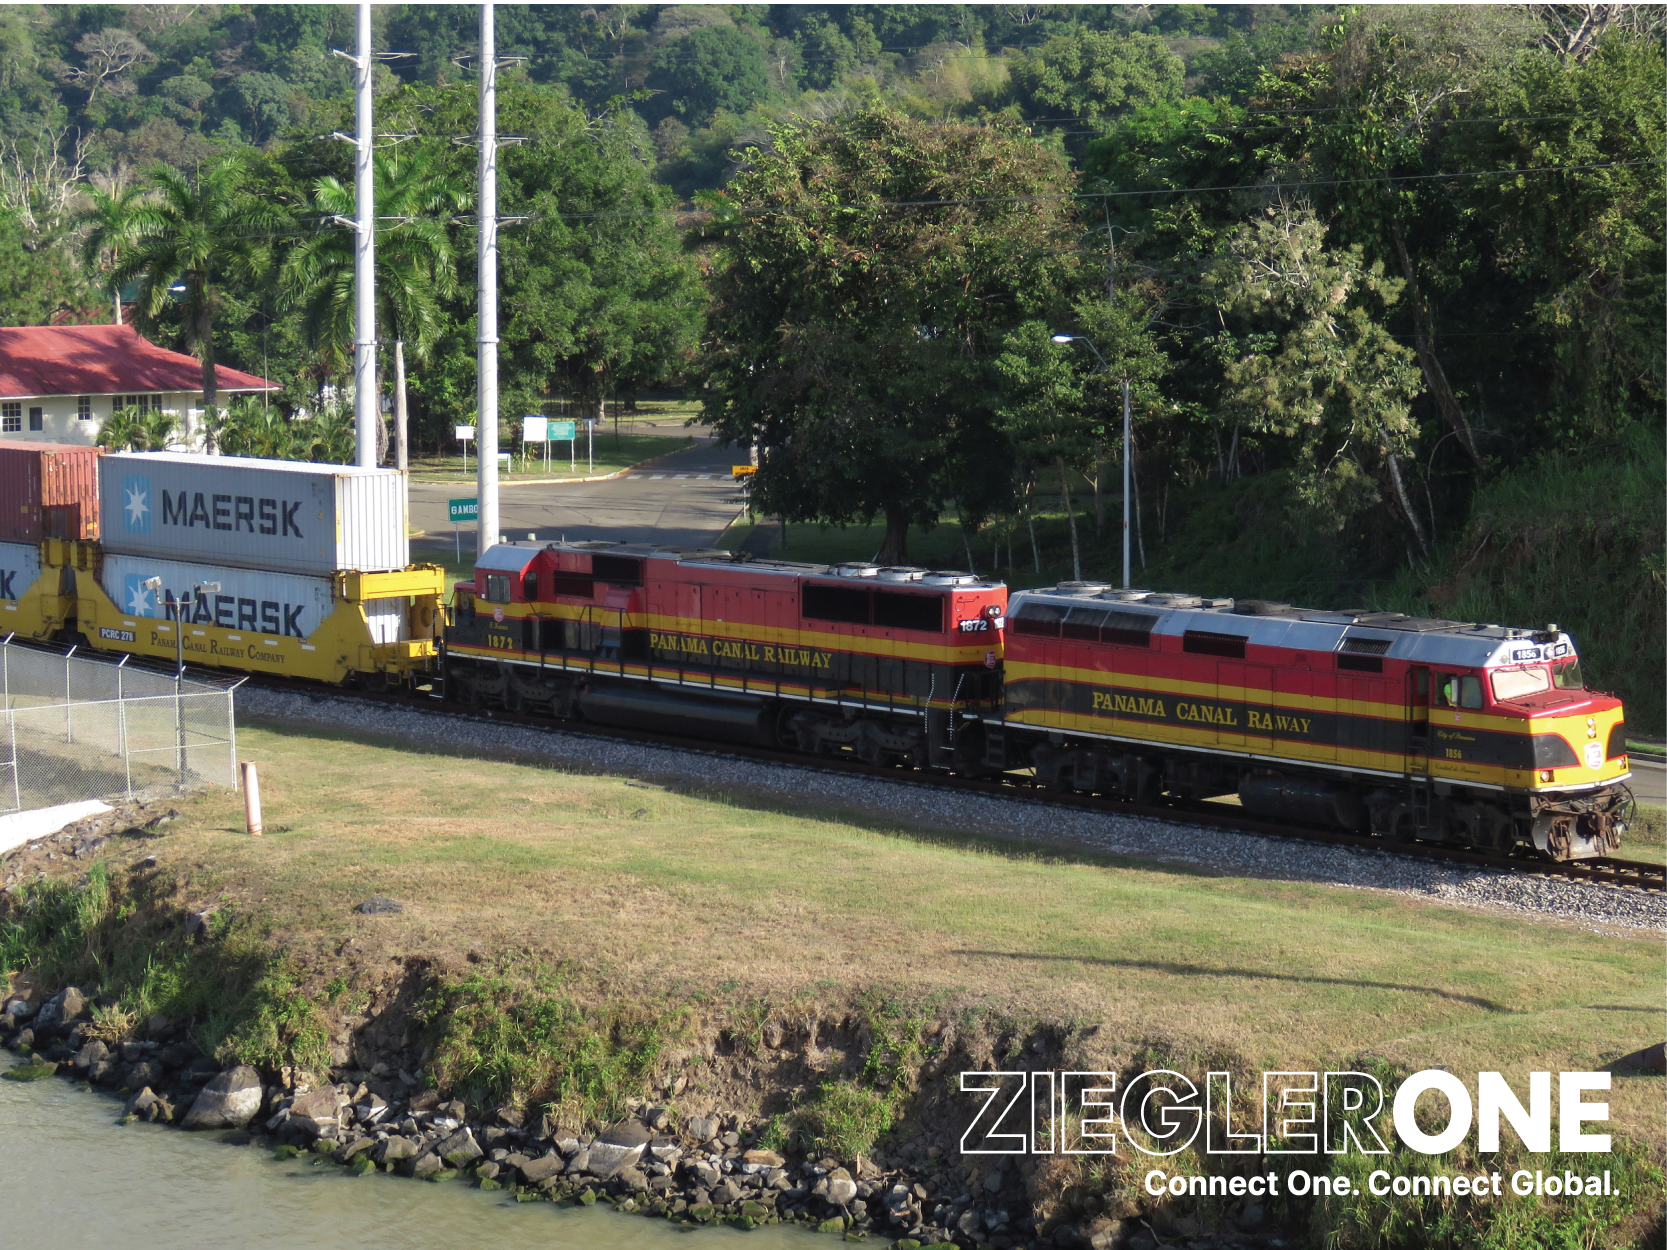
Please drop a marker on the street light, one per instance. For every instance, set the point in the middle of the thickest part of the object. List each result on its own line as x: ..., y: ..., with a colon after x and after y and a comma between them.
x: 1105, y: 368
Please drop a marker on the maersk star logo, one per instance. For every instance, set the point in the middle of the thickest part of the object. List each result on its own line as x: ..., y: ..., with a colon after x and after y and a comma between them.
x: 136, y: 509
x: 136, y: 596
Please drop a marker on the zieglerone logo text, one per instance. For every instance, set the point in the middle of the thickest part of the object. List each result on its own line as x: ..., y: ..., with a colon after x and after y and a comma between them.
x: 1160, y: 1113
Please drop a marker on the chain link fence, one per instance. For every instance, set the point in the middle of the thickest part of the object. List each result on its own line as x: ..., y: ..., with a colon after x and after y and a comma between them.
x: 81, y: 728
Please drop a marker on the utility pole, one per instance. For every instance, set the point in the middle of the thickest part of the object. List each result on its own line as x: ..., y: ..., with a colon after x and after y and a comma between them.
x: 1126, y: 480
x: 364, y: 257
x: 486, y: 424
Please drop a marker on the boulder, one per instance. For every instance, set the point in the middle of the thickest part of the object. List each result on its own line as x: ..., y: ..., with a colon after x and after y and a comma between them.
x: 316, y: 1111
x: 92, y: 1053
x: 394, y: 1150
x: 761, y: 1161
x: 537, y: 1171
x: 460, y: 1149
x: 230, y: 1100
x: 424, y: 1166
x: 145, y: 1072
x: 703, y: 1128
x: 71, y: 1003
x: 140, y: 1103
x: 841, y: 1188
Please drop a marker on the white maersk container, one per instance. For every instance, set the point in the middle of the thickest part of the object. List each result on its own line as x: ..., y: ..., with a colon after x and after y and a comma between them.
x: 20, y: 568
x: 255, y: 601
x: 280, y: 515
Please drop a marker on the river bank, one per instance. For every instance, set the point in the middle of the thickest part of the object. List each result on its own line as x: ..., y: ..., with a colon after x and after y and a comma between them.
x: 149, y: 1184
x: 570, y: 987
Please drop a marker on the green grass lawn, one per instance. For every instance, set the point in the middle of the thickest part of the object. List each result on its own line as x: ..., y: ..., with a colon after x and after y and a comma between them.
x: 643, y: 893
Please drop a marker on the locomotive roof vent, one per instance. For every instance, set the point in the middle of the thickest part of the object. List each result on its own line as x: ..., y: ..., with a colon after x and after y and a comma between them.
x: 1261, y: 607
x: 948, y: 577
x: 853, y: 568
x: 900, y: 573
x: 1080, y: 588
x: 1125, y: 596
x: 1174, y: 601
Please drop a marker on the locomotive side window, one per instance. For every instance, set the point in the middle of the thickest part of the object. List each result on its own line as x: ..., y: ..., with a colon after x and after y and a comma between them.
x: 1201, y: 642
x: 1567, y: 676
x: 1128, y: 629
x: 497, y: 588
x: 1038, y: 618
x: 573, y: 585
x: 621, y: 570
x: 1519, y: 683
x: 843, y: 604
x: 1083, y: 624
x: 1459, y: 691
x: 1363, y: 655
x: 529, y: 587
x: 894, y: 610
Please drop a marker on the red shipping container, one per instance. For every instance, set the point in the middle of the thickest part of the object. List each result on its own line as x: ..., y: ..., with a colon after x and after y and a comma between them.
x: 47, y: 490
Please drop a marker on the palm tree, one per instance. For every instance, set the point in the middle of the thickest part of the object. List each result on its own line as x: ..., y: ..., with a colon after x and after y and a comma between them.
x: 256, y: 428
x: 415, y: 197
x: 186, y: 239
x: 110, y: 225
x: 138, y: 429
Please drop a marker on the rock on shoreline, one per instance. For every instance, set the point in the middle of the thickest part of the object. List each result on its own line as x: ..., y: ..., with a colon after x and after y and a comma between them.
x: 700, y: 1170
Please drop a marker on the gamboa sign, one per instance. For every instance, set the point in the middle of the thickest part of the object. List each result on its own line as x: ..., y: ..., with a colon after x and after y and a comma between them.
x: 1161, y: 1113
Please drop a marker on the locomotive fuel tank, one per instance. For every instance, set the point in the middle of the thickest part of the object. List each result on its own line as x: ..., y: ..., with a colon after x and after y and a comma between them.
x: 739, y: 718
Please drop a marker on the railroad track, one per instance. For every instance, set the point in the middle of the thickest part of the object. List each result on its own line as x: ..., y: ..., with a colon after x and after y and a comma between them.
x: 1634, y: 874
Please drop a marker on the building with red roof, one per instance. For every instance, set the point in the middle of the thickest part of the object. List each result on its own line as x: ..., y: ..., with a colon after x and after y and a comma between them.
x: 59, y: 383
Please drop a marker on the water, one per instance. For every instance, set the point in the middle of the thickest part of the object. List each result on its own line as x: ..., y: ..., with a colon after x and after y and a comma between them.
x: 72, y: 1179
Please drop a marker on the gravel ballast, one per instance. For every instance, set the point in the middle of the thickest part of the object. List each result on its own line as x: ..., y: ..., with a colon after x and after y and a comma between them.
x: 1239, y: 854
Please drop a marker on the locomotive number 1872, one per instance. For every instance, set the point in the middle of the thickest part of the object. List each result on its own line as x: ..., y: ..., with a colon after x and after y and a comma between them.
x: 977, y: 625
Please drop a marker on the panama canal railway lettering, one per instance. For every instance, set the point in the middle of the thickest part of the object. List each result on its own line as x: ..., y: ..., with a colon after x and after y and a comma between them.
x: 737, y: 651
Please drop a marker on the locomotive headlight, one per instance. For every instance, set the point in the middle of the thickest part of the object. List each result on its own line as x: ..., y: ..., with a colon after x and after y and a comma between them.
x: 1591, y: 726
x: 1545, y: 774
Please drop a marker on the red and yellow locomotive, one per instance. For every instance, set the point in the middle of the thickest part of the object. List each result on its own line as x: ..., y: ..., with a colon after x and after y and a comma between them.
x: 1404, y: 727
x: 884, y: 663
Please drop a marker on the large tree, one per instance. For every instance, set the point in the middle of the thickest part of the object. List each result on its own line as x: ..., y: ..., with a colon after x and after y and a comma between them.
x: 869, y: 271
x: 417, y: 197
x: 186, y: 241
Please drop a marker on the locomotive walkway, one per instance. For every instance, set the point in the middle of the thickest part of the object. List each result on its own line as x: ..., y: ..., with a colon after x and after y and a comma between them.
x: 686, y: 500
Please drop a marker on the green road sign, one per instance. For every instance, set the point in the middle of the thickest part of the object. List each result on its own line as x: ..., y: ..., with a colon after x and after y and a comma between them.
x: 563, y: 431
x: 462, y: 510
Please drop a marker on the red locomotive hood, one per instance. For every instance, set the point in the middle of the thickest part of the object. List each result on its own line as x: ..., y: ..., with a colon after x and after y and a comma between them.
x: 624, y: 598
x: 1562, y: 703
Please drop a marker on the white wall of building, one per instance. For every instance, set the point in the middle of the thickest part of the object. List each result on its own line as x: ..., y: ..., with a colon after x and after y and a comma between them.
x: 61, y: 419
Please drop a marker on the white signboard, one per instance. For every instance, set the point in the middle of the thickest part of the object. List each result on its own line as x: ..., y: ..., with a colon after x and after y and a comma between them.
x: 535, y: 429
x: 464, y: 433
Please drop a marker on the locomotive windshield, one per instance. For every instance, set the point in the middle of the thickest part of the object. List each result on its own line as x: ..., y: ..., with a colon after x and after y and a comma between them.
x: 1566, y: 674
x: 1519, y: 683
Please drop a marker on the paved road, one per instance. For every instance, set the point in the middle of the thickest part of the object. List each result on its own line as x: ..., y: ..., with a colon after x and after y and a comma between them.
x: 687, y: 500
x: 1649, y: 780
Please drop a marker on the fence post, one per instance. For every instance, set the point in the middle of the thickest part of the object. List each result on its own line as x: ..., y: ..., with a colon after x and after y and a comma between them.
x: 251, y: 799
x: 69, y: 735
x: 121, y: 727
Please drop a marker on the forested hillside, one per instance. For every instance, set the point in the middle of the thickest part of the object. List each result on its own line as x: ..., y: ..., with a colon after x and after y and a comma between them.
x: 1359, y: 266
